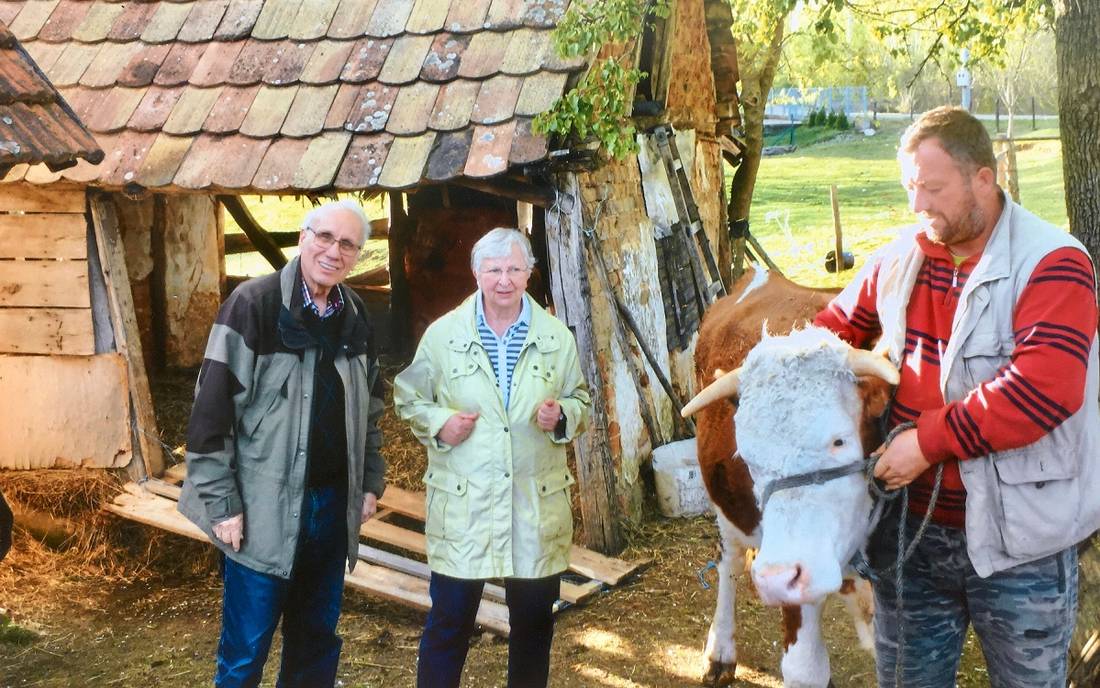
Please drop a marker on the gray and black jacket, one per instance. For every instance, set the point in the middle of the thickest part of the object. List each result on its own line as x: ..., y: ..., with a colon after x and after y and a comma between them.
x: 247, y: 441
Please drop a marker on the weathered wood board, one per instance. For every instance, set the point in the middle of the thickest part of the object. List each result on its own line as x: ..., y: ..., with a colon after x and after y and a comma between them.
x: 66, y: 331
x: 44, y: 283
x: 64, y: 411
x: 43, y: 235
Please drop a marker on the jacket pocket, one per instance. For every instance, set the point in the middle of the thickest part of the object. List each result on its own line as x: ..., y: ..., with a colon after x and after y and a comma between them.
x: 983, y: 355
x: 447, y: 507
x: 1039, y: 495
x: 275, y: 388
x: 555, y: 506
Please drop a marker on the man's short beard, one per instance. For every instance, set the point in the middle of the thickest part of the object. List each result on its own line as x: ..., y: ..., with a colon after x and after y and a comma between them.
x: 970, y: 226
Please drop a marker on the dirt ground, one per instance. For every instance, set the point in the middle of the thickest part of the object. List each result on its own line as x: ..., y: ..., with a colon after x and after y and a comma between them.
x: 129, y: 606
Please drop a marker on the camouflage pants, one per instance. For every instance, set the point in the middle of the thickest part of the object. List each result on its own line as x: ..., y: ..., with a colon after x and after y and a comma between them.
x: 1024, y: 616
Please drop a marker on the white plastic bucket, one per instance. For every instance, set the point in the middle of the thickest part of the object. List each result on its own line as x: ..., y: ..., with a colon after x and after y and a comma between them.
x: 680, y: 490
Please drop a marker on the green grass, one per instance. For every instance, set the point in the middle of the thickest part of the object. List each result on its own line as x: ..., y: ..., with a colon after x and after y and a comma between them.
x: 285, y: 213
x: 793, y: 190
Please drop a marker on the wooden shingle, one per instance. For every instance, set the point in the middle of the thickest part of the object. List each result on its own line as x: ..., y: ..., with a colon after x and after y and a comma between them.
x: 363, y: 161
x: 505, y: 14
x: 539, y: 91
x: 268, y: 110
x: 246, y: 156
x: 162, y: 160
x: 130, y: 24
x: 230, y: 109
x: 496, y: 100
x: 179, y: 63
x: 276, y: 171
x: 44, y: 54
x: 63, y: 20
x: 444, y: 57
x: 81, y: 100
x: 326, y: 62
x: 405, y: 163
x: 216, y: 63
x: 114, y: 109
x: 412, y: 108
x: 202, y: 21
x: 97, y: 22
x: 467, y: 16
x: 338, y: 112
x: 371, y: 109
x: 543, y: 13
x: 31, y: 19
x: 526, y: 51
x: 197, y: 169
x: 8, y: 13
x: 366, y: 59
x: 287, y: 62
x: 128, y: 153
x: 71, y: 63
x: 527, y: 146
x: 309, y: 110
x: 166, y: 22
x: 249, y: 66
x: 313, y: 20
x: 454, y: 105
x: 351, y: 18
x: 489, y: 150
x: 448, y: 157
x: 155, y: 106
x: 427, y: 16
x: 143, y: 66
x: 321, y: 160
x: 405, y: 60
x: 191, y: 110
x: 238, y: 20
x: 108, y: 64
x: 389, y: 18
x: 275, y: 19
x: 484, y: 55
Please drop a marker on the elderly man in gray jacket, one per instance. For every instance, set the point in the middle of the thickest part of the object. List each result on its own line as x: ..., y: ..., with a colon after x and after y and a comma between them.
x: 283, y: 460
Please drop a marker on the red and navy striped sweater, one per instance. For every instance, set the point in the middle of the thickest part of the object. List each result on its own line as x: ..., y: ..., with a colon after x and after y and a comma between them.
x: 1043, y: 384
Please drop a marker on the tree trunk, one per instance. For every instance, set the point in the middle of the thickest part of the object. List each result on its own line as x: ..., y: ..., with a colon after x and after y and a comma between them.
x: 1076, y: 35
x: 757, y: 76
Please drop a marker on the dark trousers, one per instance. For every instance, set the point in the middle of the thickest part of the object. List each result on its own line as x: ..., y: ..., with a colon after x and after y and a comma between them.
x: 451, y: 621
x: 308, y: 603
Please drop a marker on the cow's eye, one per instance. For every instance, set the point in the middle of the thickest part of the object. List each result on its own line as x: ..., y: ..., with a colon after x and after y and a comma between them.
x: 838, y: 442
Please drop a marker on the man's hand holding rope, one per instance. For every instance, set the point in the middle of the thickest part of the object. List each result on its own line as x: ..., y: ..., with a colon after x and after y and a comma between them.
x: 900, y: 462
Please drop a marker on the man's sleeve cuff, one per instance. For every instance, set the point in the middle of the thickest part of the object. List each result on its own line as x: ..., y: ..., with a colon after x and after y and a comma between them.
x: 933, y: 437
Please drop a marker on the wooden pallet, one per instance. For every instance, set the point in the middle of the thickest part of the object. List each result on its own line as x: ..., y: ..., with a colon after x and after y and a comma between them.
x: 383, y: 573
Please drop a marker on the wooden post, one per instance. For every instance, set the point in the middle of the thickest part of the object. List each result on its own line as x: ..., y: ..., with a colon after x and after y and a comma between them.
x: 127, y: 337
x: 400, y: 320
x: 838, y: 259
x: 157, y: 290
x: 573, y: 304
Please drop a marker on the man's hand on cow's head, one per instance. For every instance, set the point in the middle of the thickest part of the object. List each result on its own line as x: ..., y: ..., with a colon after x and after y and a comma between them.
x: 900, y: 463
x: 457, y: 428
x: 231, y: 531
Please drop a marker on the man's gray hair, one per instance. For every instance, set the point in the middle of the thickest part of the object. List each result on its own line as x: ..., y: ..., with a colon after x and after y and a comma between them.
x: 321, y: 211
x: 498, y: 243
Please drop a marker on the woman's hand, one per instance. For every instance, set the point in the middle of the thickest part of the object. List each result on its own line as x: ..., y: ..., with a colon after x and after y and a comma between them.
x: 548, y: 414
x: 457, y: 428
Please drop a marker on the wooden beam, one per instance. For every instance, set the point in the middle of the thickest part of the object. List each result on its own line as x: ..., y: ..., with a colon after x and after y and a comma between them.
x: 542, y: 196
x: 256, y: 234
x: 573, y: 300
x: 157, y: 283
x: 127, y: 335
x: 401, y: 226
x: 240, y: 243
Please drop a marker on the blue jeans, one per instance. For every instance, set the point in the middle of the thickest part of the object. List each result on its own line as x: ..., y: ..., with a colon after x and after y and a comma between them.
x: 451, y: 620
x: 308, y: 603
x: 1023, y: 616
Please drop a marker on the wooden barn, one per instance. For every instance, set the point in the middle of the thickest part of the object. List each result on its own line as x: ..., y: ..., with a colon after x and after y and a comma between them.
x: 430, y: 102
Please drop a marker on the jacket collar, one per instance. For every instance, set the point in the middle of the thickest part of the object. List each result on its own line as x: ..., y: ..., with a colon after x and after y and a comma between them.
x: 354, y: 335
x: 465, y: 334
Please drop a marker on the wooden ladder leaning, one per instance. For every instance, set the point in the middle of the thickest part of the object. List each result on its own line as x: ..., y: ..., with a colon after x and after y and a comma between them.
x: 708, y: 286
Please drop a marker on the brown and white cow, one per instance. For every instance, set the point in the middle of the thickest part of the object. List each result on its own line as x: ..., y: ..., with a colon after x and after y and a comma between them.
x: 805, y: 401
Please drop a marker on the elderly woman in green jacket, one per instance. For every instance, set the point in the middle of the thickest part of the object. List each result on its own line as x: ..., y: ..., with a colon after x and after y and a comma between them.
x: 495, y: 392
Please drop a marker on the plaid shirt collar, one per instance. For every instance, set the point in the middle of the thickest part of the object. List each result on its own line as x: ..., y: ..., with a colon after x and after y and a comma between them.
x: 334, y: 306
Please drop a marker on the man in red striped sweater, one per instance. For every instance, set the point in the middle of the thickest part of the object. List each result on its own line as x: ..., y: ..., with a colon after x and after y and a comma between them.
x: 991, y: 316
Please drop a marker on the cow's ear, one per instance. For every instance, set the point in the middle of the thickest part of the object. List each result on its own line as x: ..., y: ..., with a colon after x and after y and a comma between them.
x: 876, y: 394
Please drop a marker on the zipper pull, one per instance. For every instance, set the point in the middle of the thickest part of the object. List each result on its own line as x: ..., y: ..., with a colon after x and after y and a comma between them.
x: 955, y: 279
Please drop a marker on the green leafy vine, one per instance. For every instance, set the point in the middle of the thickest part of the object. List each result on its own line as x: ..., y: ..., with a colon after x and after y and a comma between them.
x: 600, y: 105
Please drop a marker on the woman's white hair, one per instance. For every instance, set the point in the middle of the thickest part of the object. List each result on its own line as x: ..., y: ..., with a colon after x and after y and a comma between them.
x: 498, y: 243
x: 321, y: 211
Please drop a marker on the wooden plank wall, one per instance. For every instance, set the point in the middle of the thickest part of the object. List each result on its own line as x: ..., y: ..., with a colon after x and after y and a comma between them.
x: 45, y: 306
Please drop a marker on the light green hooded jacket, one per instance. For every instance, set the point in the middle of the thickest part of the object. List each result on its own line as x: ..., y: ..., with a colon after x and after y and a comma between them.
x: 498, y: 503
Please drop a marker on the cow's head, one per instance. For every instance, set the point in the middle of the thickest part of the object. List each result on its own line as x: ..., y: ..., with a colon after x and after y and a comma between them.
x: 804, y: 404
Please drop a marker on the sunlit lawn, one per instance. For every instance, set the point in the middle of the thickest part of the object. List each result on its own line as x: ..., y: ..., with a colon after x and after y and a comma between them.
x: 792, y: 216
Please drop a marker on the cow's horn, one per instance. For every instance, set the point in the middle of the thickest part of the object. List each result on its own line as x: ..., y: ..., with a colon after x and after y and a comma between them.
x: 869, y: 363
x: 725, y: 386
